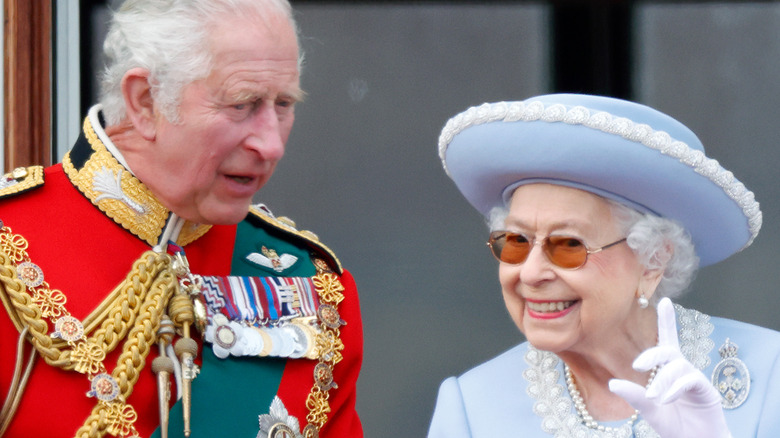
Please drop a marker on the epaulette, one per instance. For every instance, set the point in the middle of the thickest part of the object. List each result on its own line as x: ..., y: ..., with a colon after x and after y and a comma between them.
x: 21, y: 180
x: 261, y: 216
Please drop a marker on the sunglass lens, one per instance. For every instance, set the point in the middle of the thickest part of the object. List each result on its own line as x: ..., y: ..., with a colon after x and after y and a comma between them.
x: 566, y: 252
x: 511, y: 248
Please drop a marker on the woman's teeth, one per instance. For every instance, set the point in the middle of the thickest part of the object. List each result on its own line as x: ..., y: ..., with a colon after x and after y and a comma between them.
x: 550, y: 306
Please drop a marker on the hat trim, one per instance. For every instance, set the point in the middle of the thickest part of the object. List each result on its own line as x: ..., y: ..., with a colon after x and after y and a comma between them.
x: 510, y: 189
x: 603, y: 121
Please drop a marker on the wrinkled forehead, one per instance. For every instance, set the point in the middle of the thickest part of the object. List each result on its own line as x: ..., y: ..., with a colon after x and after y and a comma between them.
x: 559, y: 208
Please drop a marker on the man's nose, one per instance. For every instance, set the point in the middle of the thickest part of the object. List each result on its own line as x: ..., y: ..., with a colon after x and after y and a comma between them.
x: 266, y: 136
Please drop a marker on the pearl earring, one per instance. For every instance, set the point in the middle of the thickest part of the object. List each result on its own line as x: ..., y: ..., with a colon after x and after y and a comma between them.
x: 643, y: 302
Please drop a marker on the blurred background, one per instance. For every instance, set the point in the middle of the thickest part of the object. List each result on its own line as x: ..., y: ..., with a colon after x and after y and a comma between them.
x: 362, y: 170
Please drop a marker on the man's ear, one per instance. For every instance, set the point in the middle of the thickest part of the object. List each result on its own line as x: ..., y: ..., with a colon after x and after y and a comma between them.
x: 139, y: 103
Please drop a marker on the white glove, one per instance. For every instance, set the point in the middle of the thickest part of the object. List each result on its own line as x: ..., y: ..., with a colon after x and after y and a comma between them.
x: 680, y: 402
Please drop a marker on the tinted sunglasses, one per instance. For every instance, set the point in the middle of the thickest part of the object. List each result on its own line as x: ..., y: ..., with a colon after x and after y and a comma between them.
x: 563, y: 251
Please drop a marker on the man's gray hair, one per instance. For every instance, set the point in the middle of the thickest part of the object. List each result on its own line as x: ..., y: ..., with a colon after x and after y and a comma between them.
x: 169, y: 39
x: 656, y: 241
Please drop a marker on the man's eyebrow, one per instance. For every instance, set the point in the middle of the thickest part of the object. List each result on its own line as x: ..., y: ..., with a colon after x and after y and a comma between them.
x: 296, y: 94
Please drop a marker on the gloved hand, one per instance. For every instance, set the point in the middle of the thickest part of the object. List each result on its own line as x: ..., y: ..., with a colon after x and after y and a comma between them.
x: 680, y: 402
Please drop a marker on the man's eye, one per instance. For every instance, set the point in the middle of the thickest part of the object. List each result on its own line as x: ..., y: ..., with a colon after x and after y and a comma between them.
x: 285, y: 103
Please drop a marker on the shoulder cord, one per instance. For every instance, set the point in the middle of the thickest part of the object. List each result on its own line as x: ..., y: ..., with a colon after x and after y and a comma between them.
x: 133, y: 358
x: 143, y: 296
x: 17, y: 387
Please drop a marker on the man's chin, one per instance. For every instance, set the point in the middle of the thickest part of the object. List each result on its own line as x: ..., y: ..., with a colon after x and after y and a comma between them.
x: 223, y: 215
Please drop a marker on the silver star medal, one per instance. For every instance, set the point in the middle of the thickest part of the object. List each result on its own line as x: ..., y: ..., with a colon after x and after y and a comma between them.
x: 277, y: 423
x: 731, y: 377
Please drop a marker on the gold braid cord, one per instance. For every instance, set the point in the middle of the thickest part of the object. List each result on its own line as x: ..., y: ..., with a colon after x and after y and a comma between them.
x: 329, y: 289
x: 132, y: 312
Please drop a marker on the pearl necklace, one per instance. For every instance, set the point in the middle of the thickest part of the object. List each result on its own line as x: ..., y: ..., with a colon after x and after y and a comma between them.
x: 582, y: 410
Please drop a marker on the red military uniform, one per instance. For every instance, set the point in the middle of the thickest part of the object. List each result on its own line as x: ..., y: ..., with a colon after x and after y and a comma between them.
x: 86, y: 222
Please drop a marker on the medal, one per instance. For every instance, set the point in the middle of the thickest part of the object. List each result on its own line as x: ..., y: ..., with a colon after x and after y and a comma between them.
x: 30, y: 274
x: 297, y: 338
x: 277, y: 423
x: 267, y: 342
x: 281, y: 345
x: 330, y: 316
x: 68, y: 329
x: 104, y: 388
x: 263, y: 316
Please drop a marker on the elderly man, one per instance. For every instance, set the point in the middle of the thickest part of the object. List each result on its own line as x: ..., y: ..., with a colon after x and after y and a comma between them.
x: 143, y: 295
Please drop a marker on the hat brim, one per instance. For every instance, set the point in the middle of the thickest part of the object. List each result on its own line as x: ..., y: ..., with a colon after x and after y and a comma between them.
x: 616, y: 149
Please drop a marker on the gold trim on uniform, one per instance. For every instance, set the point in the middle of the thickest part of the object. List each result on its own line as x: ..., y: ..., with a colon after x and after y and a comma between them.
x: 121, y: 196
x: 21, y: 179
x: 38, y: 306
x: 288, y: 226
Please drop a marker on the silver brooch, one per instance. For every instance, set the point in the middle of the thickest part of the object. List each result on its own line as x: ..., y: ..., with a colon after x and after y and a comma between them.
x: 277, y: 423
x: 731, y: 377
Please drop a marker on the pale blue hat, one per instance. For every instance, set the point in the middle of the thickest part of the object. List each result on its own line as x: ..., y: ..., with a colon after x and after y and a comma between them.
x: 617, y: 149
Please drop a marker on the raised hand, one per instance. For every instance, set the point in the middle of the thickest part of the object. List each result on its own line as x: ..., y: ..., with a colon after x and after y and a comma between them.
x: 680, y: 402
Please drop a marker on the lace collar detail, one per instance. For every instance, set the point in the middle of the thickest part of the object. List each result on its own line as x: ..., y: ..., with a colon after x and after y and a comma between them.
x: 553, y: 402
x: 112, y: 188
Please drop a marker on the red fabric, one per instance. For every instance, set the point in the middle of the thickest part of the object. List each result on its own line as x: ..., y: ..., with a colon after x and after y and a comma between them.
x: 86, y: 257
x: 298, y: 379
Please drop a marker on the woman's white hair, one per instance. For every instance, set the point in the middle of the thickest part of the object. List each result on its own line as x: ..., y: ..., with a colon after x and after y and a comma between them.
x: 659, y: 243
x: 169, y: 39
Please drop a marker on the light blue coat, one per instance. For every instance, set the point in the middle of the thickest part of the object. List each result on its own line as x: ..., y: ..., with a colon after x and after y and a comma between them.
x: 496, y: 399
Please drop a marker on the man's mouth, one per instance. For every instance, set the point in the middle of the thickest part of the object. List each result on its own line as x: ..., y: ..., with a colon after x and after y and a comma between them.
x: 241, y: 179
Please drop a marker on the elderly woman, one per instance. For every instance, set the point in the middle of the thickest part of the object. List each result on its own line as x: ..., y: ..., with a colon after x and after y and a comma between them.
x: 601, y: 210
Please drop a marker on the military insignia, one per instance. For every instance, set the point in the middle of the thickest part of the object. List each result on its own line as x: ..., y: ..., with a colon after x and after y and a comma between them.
x: 270, y: 259
x: 277, y: 423
x: 104, y: 387
x: 266, y: 346
x: 311, y: 431
x: 283, y: 345
x: 323, y: 377
x: 321, y: 265
x: 109, y: 185
x: 731, y: 377
x: 20, y: 180
x: 30, y: 274
x: 225, y: 336
x: 68, y: 329
x: 329, y: 316
x: 300, y: 341
x: 262, y: 217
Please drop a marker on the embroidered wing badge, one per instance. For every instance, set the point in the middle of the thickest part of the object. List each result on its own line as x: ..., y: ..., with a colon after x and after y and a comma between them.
x: 271, y: 260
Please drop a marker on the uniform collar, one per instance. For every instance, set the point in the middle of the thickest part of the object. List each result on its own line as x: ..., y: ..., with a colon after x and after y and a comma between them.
x: 105, y: 179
